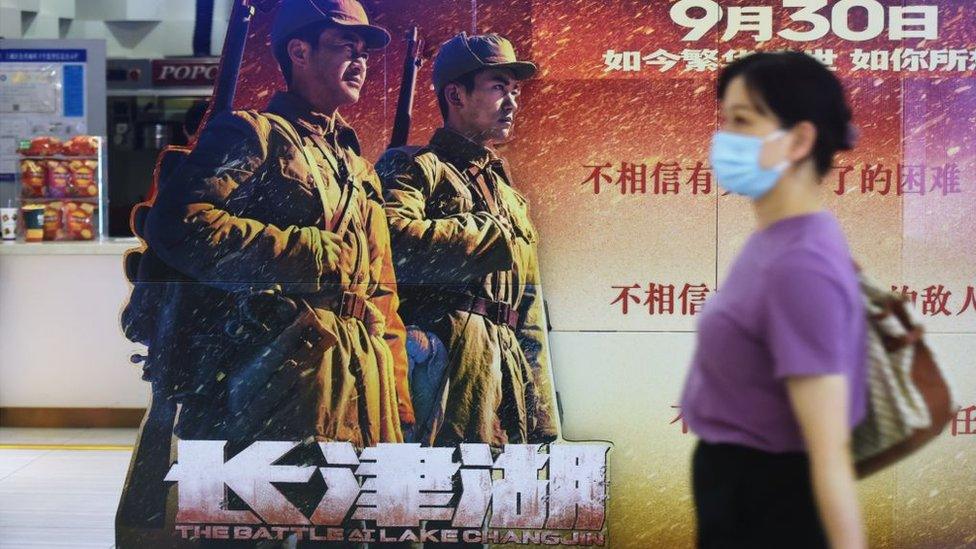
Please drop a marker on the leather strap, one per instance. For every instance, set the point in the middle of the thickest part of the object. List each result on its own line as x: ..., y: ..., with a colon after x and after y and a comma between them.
x: 338, y: 164
x: 501, y: 166
x: 319, y: 184
x: 352, y: 305
x: 909, y: 339
x: 345, y: 305
x: 336, y: 221
x: 312, y: 165
x: 498, y: 312
x: 339, y: 222
x: 479, y: 178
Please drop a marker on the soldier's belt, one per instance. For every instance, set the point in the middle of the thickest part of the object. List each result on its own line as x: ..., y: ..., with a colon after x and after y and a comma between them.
x: 346, y: 305
x: 498, y: 312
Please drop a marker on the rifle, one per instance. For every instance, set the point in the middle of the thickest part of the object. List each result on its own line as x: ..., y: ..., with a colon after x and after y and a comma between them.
x: 408, y: 83
x: 142, y: 506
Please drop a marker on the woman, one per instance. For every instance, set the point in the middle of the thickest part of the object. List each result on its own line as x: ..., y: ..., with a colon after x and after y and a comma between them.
x: 778, y: 377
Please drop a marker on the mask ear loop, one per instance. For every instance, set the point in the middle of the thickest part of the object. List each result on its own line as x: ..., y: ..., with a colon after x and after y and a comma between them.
x: 776, y: 134
x: 782, y: 166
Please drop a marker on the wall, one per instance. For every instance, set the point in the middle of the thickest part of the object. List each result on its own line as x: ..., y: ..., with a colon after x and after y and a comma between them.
x: 131, y: 28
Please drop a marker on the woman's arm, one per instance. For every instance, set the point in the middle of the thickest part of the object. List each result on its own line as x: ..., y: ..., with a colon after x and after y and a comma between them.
x: 809, y: 333
x: 820, y: 405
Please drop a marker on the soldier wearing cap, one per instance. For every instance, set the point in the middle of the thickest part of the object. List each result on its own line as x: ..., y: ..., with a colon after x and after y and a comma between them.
x: 466, y: 259
x: 280, y: 200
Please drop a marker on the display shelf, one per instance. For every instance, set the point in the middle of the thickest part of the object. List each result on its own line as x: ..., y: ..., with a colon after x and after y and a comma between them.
x: 58, y: 157
x: 98, y: 200
x: 87, y: 199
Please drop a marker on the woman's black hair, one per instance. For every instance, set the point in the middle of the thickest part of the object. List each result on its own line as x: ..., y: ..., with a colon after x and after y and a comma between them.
x: 795, y: 87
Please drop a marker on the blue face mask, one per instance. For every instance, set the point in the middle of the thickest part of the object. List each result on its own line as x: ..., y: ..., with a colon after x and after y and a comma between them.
x: 735, y: 162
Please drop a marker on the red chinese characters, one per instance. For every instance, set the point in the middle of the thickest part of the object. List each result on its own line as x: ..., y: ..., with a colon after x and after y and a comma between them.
x: 662, y: 299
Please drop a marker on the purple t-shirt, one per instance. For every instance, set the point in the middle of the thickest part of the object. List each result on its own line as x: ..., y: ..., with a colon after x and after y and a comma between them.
x: 791, y: 306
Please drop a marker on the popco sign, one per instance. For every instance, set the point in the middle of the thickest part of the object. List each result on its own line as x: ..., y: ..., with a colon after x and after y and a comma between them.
x: 184, y: 73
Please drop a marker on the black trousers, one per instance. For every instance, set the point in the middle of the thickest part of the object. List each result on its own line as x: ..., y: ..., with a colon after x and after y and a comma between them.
x: 749, y: 498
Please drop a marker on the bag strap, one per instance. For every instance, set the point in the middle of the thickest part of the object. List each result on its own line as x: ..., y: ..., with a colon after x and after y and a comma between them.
x: 290, y: 130
x: 343, y: 215
x: 478, y: 177
x: 338, y: 163
x: 340, y: 222
x: 890, y: 304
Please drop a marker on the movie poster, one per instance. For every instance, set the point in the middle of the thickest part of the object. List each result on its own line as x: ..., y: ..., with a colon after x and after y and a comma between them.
x: 363, y: 405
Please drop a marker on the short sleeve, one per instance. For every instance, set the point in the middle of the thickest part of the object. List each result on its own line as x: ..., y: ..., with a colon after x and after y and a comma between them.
x: 808, y: 316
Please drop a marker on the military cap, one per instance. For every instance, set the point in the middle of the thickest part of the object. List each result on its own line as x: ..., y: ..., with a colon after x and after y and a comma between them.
x: 293, y: 15
x: 463, y: 54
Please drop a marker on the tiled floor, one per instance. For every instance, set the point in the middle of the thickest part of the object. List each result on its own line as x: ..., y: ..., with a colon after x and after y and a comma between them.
x: 60, y: 487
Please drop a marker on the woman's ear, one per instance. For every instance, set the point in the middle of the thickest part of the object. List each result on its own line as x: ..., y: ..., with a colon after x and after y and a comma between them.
x: 804, y: 138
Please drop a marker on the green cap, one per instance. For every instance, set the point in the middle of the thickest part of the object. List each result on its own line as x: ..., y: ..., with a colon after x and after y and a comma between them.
x: 293, y: 15
x: 463, y: 54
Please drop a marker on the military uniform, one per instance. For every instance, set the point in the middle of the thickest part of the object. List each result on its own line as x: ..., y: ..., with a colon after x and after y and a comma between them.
x: 468, y: 273
x: 245, y: 212
x: 265, y: 294
x: 466, y: 259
